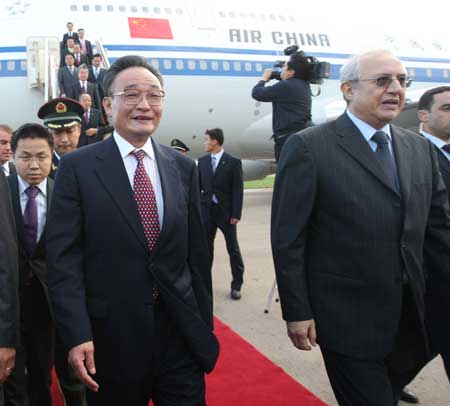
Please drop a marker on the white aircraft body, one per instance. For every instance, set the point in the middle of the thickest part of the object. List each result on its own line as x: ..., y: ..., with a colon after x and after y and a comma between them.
x: 210, y: 55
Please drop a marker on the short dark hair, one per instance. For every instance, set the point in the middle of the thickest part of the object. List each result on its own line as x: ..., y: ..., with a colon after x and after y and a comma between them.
x: 299, y: 63
x: 215, y: 134
x: 80, y: 29
x: 31, y: 130
x: 125, y: 62
x: 427, y: 99
x: 96, y: 55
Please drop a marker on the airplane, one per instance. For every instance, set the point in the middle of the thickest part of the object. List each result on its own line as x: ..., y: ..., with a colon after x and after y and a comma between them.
x: 210, y: 55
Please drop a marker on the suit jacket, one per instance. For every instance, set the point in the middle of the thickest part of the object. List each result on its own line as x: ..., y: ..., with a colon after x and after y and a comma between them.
x: 98, y: 81
x: 89, y: 52
x: 66, y: 37
x: 9, y: 302
x: 226, y: 183
x: 341, y: 236
x: 53, y: 170
x: 82, y: 60
x: 64, y: 52
x: 101, y: 272
x: 95, y: 121
x: 34, y: 264
x: 67, y: 81
x: 91, y: 89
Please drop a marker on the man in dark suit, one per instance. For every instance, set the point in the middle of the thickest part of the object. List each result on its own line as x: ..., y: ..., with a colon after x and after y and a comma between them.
x: 69, y: 34
x: 85, y: 45
x: 434, y: 114
x: 5, y: 149
x: 31, y: 193
x: 96, y: 75
x: 9, y: 301
x: 68, y: 49
x: 92, y: 123
x: 84, y: 86
x: 80, y: 58
x: 67, y: 77
x: 358, y: 206
x: 222, y: 190
x: 129, y: 271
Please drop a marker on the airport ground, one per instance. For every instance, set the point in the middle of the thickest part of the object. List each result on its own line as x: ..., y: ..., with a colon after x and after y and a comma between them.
x: 267, y: 331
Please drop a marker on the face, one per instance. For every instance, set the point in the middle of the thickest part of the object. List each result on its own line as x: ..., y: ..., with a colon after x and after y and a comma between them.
x: 76, y: 49
x: 70, y: 43
x: 81, y: 34
x: 5, y: 147
x: 66, y: 140
x: 134, y: 122
x: 285, y: 73
x: 83, y: 74
x: 437, y: 120
x: 96, y: 62
x: 33, y: 160
x: 210, y: 144
x: 70, y: 26
x: 85, y: 101
x: 371, y: 103
x: 69, y: 60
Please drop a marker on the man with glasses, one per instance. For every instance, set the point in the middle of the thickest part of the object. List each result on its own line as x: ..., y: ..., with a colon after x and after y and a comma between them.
x: 129, y: 271
x: 359, y: 205
x: 31, y: 191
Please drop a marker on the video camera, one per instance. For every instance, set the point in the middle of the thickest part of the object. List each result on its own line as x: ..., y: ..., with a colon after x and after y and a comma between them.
x: 313, y: 71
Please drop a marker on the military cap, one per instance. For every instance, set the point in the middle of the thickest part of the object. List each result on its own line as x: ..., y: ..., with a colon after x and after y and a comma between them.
x: 179, y: 145
x: 61, y: 113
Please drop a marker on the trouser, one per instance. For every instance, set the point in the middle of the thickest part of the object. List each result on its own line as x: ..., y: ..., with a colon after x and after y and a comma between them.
x: 219, y: 220
x: 358, y: 382
x: 172, y: 379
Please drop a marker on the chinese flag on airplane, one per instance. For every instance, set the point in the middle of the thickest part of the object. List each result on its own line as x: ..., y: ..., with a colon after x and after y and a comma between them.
x: 149, y: 28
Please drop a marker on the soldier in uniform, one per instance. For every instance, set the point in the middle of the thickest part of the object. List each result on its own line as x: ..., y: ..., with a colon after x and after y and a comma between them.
x: 179, y: 145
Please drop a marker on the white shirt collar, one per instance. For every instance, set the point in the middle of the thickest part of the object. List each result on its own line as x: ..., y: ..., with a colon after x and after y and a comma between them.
x: 218, y: 155
x: 24, y: 185
x: 366, y: 129
x: 6, y: 168
x: 125, y: 148
x: 435, y: 140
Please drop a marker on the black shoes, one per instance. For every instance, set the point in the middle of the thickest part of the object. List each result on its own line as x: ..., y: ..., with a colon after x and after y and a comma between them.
x: 235, y: 294
x: 409, y: 397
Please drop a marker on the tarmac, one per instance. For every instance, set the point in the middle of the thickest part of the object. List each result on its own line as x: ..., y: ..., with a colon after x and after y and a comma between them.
x: 267, y: 331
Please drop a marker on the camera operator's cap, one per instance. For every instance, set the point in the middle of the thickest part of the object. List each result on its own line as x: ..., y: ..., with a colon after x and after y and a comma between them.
x: 179, y: 145
x: 61, y: 113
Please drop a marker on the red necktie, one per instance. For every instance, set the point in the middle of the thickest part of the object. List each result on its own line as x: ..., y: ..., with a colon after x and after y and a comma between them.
x: 146, y: 200
x: 86, y: 117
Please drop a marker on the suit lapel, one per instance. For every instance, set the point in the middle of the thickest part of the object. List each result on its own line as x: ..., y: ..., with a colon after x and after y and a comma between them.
x: 223, y: 161
x: 170, y: 189
x: 352, y: 141
x: 15, y: 198
x: 41, y: 242
x: 444, y: 163
x: 113, y: 175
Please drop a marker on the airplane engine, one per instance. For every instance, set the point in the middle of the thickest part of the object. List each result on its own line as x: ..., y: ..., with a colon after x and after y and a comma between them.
x: 254, y: 170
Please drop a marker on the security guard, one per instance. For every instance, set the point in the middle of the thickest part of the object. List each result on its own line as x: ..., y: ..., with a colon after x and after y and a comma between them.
x: 62, y: 116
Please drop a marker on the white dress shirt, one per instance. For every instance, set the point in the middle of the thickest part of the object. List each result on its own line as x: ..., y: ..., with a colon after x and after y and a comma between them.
x: 437, y: 142
x: 5, y: 168
x: 150, y: 164
x: 41, y: 200
x: 217, y: 157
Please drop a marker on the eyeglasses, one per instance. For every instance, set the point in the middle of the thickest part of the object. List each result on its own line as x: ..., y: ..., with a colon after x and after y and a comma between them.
x: 133, y: 97
x: 385, y: 81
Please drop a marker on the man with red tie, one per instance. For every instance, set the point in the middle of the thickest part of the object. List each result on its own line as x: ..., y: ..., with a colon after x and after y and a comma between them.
x: 86, y: 47
x: 129, y: 271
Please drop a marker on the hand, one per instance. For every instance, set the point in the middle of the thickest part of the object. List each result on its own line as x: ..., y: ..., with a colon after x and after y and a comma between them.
x: 300, y: 332
x: 267, y: 74
x: 7, y: 362
x: 81, y: 358
x: 91, y: 131
x: 234, y: 221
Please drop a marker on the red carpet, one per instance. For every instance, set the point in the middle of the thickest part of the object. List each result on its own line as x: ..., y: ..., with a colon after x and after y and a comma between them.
x: 245, y: 377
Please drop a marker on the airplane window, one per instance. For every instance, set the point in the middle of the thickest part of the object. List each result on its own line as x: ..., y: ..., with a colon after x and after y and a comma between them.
x: 168, y: 11
x: 122, y: 9
x: 445, y: 73
x: 155, y: 63
x: 157, y: 10
x: 23, y: 65
x: 179, y: 64
x: 243, y: 15
x: 272, y: 17
x: 226, y: 65
x: 145, y: 9
x: 412, y: 72
x: 291, y: 19
x: 73, y: 7
x: 214, y: 65
x: 262, y: 17
x: 429, y: 73
x: 282, y: 18
x: 232, y: 15
x: 179, y: 11
x: 252, y: 16
x: 11, y: 65
x: 258, y: 67
x: 98, y: 7
x: 85, y: 7
x: 191, y: 64
x: 203, y: 65
x: 1, y: 67
x: 133, y: 9
x: 109, y: 8
x: 167, y: 64
x: 222, y: 14
x: 248, y: 66
x: 237, y: 66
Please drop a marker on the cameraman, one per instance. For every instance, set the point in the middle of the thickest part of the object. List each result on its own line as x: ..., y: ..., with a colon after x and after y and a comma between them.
x: 290, y: 97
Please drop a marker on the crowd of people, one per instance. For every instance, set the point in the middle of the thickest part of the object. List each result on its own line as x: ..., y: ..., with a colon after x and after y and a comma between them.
x: 106, y: 251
